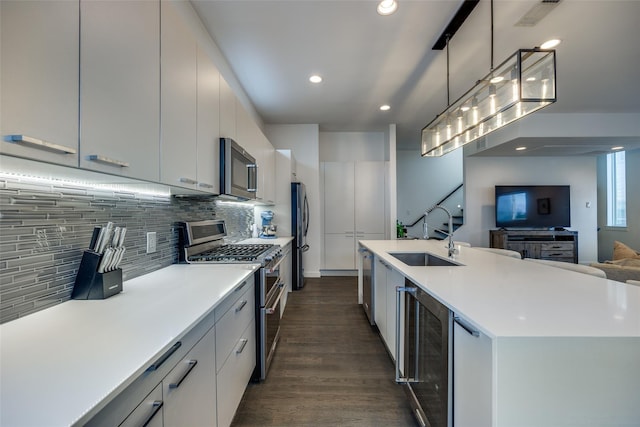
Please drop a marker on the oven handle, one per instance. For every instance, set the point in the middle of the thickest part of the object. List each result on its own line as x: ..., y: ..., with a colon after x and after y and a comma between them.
x: 272, y: 268
x: 272, y: 309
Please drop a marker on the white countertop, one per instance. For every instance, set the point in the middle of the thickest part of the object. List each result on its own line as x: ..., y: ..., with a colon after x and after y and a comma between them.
x: 58, y: 364
x: 507, y: 297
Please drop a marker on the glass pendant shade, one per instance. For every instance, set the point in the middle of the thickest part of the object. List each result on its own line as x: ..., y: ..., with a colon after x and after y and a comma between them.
x: 524, y: 83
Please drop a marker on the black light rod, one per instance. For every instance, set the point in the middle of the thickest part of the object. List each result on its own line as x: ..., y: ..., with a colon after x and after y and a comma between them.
x: 456, y: 22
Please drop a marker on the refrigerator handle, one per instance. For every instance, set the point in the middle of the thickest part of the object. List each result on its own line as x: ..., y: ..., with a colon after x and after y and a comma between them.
x: 306, y: 216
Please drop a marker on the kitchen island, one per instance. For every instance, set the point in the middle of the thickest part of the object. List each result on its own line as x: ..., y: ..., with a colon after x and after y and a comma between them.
x: 63, y: 365
x: 554, y: 347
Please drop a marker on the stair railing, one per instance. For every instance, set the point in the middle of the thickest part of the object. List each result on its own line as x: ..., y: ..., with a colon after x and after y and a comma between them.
x: 451, y: 193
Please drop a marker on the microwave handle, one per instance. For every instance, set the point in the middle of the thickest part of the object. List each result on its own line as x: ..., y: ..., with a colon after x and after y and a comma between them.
x: 252, y: 171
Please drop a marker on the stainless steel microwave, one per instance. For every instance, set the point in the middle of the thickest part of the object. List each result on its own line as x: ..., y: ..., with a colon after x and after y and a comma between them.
x: 238, y: 171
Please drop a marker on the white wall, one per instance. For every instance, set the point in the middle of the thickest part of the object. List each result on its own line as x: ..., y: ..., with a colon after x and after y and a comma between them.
x: 422, y: 181
x: 303, y: 141
x: 352, y: 146
x: 630, y: 235
x: 483, y: 173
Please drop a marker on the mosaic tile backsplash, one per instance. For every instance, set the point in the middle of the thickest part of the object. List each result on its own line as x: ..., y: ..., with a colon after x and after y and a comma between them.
x: 44, y: 229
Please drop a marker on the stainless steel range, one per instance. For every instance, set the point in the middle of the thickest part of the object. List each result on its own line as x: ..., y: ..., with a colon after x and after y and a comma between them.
x: 203, y: 242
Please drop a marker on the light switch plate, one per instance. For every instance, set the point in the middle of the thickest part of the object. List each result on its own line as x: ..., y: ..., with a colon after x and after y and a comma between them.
x: 151, y: 242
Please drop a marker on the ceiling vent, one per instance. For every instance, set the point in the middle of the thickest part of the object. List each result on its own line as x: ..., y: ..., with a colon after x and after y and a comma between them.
x: 536, y: 13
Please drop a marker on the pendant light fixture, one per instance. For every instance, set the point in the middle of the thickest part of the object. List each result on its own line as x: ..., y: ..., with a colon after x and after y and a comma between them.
x: 524, y: 83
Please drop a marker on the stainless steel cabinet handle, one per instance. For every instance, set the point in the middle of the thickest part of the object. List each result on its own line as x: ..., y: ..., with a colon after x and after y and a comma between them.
x: 164, y: 357
x: 157, y: 405
x: 204, y: 185
x: 187, y: 180
x: 466, y: 327
x: 240, y: 287
x: 243, y: 343
x: 39, y: 143
x: 241, y: 306
x: 192, y: 364
x: 107, y: 160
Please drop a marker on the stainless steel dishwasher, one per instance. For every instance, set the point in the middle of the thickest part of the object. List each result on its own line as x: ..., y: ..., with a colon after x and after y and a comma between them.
x: 427, y: 355
x: 368, y: 302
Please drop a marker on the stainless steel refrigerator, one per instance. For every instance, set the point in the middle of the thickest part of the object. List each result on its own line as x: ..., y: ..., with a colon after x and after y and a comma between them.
x: 299, y: 228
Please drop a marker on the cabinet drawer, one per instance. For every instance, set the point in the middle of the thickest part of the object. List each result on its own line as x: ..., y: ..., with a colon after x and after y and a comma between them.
x: 556, y: 254
x: 126, y: 401
x: 189, y: 390
x: 229, y: 301
x: 148, y: 412
x: 234, y: 376
x: 568, y: 258
x: 562, y: 246
x: 235, y: 320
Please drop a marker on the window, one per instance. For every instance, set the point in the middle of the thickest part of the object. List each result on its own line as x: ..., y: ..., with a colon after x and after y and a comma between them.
x: 616, y: 190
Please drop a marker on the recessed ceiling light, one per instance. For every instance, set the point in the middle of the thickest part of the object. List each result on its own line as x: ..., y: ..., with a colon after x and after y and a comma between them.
x: 619, y: 147
x: 387, y: 7
x: 315, y: 79
x: 550, y: 44
x: 385, y: 107
x: 521, y: 148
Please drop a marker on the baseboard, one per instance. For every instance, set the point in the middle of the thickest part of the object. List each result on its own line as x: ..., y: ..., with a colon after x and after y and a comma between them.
x: 339, y: 272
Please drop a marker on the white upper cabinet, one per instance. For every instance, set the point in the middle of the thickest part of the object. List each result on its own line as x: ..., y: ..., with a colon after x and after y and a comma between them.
x: 339, y: 189
x: 178, y: 103
x: 208, y: 124
x: 369, y: 197
x: 39, y: 79
x: 227, y: 111
x: 119, y: 82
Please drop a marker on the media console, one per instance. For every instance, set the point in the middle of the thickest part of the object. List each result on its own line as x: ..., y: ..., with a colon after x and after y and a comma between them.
x: 542, y: 244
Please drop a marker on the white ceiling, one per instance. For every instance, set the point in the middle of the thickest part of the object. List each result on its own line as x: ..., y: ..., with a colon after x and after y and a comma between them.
x: 368, y: 60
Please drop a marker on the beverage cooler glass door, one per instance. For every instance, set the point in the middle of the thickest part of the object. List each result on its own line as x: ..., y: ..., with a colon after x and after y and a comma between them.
x: 427, y: 356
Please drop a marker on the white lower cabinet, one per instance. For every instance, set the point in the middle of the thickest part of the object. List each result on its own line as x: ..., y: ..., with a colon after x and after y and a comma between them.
x: 200, y: 379
x: 386, y: 280
x: 472, y: 375
x: 149, y: 412
x: 189, y: 390
x: 235, y: 374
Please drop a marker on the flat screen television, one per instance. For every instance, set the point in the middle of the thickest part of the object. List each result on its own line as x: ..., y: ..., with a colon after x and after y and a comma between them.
x: 533, y: 206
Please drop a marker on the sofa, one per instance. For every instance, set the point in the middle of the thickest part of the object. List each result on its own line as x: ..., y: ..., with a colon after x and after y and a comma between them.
x: 624, y: 266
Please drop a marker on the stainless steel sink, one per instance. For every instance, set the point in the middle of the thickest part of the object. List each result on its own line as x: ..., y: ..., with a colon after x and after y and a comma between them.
x: 422, y: 259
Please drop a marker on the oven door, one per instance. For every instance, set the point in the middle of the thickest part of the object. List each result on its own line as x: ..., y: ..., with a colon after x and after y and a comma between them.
x: 269, y: 328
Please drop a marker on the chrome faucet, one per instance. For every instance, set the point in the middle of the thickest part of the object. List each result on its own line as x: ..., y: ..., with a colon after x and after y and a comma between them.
x: 451, y: 247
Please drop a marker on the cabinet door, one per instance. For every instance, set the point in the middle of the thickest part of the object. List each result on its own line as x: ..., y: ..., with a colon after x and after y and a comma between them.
x: 369, y: 197
x: 339, y: 187
x: 39, y: 78
x: 472, y: 376
x: 190, y: 388
x: 119, y: 81
x: 380, y: 296
x: 178, y: 156
x: 227, y: 111
x: 266, y: 171
x: 234, y: 376
x: 339, y: 251
x: 394, y: 279
x: 208, y: 124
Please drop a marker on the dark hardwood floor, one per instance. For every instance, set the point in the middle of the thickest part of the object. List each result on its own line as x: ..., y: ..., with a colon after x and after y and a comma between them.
x: 330, y: 367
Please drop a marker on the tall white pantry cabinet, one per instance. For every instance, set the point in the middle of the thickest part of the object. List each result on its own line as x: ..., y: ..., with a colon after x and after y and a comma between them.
x: 354, y: 209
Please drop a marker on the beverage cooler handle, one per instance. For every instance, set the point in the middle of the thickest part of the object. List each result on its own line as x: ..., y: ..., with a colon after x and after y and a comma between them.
x: 252, y: 171
x: 399, y: 291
